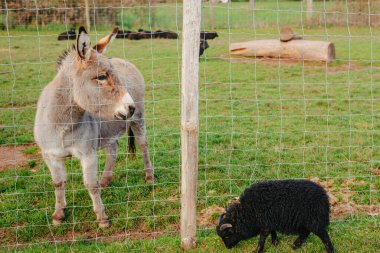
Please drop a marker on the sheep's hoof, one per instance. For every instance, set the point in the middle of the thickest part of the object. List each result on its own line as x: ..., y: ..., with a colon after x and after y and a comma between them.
x: 275, y: 242
x: 296, y: 245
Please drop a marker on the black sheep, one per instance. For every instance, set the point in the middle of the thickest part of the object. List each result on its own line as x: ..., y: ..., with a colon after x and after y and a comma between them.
x: 203, y: 45
x: 122, y: 34
x: 288, y: 206
x: 68, y: 35
x: 134, y: 36
x: 171, y: 35
x: 166, y: 34
x: 145, y: 34
x: 208, y: 35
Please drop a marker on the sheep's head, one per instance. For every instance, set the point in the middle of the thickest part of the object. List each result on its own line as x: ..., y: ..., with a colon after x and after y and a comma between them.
x: 228, y: 227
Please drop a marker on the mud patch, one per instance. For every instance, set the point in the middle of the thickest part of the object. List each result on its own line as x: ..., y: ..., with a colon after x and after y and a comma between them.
x: 341, y: 201
x: 13, y: 157
x: 206, y: 216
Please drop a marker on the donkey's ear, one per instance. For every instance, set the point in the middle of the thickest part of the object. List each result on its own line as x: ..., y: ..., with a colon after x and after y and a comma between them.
x: 83, y: 43
x: 102, y: 44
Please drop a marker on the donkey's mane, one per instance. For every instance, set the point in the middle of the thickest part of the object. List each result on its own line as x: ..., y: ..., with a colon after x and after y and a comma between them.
x: 63, y: 56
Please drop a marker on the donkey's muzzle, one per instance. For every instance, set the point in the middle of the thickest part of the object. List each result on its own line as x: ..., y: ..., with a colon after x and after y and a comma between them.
x: 126, y: 109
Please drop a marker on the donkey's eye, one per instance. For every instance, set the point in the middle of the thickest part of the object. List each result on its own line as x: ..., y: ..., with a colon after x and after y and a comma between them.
x: 101, y: 77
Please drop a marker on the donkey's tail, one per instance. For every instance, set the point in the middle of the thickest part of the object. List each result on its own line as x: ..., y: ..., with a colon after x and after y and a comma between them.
x: 131, y: 144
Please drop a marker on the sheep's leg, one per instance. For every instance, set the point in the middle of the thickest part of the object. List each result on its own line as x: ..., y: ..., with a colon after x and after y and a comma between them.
x: 57, y: 169
x: 263, y: 237
x: 111, y: 153
x: 89, y: 164
x: 274, y: 237
x: 138, y: 128
x: 326, y: 241
x: 301, y: 239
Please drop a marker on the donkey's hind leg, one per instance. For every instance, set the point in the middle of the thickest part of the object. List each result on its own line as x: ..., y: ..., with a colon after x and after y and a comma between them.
x: 139, y: 132
x: 111, y: 153
x: 58, y: 173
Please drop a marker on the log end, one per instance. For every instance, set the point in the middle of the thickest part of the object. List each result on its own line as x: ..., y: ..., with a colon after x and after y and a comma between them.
x: 330, y: 52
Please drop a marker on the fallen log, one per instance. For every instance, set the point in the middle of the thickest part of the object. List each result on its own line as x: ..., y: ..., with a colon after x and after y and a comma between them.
x: 308, y: 50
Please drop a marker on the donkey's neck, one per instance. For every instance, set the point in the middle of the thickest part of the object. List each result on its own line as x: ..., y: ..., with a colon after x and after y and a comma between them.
x: 67, y: 112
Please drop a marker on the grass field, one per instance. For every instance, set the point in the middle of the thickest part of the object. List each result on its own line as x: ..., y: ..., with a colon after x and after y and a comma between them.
x: 259, y: 119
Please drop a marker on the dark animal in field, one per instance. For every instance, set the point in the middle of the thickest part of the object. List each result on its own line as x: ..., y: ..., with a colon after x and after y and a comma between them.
x: 208, y: 35
x: 166, y: 34
x: 68, y: 35
x: 171, y: 35
x: 288, y: 206
x: 147, y: 34
x: 159, y: 34
x: 122, y: 34
x: 134, y: 36
x: 203, y: 45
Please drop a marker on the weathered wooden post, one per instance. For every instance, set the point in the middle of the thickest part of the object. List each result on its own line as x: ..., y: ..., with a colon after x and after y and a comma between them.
x: 251, y: 5
x: 87, y: 14
x: 189, y: 121
x: 309, y: 12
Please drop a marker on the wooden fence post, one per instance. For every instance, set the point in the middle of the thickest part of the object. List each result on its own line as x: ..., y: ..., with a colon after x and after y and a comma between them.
x: 87, y: 14
x: 251, y: 5
x: 309, y: 12
x: 189, y: 121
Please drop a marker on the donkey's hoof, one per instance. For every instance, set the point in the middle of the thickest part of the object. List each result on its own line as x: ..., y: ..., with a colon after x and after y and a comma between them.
x: 104, y: 223
x: 58, y: 216
x: 149, y: 179
x: 105, y: 182
x: 149, y: 175
x: 57, y: 222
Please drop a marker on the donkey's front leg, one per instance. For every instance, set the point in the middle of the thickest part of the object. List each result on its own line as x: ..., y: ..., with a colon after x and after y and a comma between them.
x: 111, y: 153
x: 138, y: 128
x: 89, y: 164
x: 58, y: 173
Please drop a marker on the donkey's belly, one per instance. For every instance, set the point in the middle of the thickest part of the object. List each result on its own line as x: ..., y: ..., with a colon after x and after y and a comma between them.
x: 110, y: 132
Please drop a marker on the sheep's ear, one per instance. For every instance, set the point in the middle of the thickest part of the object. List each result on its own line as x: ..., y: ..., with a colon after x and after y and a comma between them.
x: 224, y: 226
x: 102, y: 44
x: 83, y: 44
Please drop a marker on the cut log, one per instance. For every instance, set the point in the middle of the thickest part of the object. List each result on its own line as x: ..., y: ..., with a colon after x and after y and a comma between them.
x: 308, y: 50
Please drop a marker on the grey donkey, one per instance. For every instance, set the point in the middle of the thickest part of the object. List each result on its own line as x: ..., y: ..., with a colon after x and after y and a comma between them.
x: 89, y: 104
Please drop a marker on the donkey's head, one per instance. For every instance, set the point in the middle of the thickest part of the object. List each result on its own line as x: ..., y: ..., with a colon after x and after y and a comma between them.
x: 97, y: 87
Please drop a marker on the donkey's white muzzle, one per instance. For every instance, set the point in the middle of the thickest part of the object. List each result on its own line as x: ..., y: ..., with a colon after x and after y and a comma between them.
x: 126, y: 108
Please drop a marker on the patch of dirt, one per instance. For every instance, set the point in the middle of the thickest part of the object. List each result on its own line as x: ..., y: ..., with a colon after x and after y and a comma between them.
x: 205, y: 217
x: 341, y: 201
x: 14, y: 157
x: 376, y: 172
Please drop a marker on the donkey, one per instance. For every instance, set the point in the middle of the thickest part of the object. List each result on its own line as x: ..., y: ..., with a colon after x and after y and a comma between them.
x: 90, y: 103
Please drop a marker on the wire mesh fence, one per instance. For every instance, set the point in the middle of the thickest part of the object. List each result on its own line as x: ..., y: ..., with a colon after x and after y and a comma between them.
x: 259, y: 118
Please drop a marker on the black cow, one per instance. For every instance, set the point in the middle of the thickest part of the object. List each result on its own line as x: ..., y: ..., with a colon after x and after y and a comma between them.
x: 68, y: 35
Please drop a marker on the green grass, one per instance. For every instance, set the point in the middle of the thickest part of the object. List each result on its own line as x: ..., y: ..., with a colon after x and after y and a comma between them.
x: 258, y: 120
